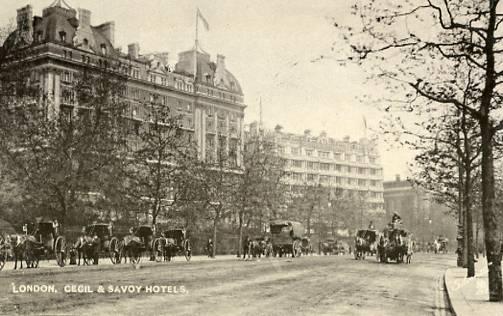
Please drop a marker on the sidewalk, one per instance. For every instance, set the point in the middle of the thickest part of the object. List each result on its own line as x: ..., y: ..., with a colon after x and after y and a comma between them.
x: 471, y: 296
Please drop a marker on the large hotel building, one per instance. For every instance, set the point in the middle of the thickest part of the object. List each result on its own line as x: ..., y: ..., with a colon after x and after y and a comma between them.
x: 347, y: 167
x: 63, y: 41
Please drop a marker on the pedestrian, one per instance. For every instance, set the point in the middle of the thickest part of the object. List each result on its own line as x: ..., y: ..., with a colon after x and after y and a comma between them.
x: 209, y: 248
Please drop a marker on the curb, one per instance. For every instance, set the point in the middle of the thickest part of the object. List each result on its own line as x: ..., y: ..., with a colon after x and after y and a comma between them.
x: 451, y: 307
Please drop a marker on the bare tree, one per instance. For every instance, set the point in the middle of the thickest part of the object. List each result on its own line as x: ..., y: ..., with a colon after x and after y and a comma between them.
x: 459, y: 49
x: 160, y: 158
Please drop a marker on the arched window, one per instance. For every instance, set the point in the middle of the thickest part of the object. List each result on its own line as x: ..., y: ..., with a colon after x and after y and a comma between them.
x: 103, y: 49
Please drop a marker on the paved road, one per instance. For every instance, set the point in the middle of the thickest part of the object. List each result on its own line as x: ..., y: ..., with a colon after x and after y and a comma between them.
x: 330, y: 285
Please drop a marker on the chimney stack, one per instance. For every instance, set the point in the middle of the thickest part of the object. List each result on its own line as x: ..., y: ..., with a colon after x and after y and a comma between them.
x: 133, y: 50
x: 84, y: 17
x: 397, y: 177
x: 221, y: 61
x: 108, y: 30
x: 25, y: 22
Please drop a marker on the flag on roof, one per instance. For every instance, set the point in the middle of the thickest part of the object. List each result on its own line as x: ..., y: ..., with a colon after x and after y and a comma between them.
x: 205, y: 22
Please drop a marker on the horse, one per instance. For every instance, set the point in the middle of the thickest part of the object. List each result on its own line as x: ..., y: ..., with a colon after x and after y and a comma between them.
x: 18, y: 246
x: 256, y: 248
x: 360, y: 248
x: 246, y: 247
x: 85, y: 247
x: 132, y: 248
x: 410, y: 250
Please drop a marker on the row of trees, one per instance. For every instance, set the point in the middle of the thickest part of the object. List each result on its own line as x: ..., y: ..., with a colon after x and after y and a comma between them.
x: 94, y: 161
x: 442, y: 92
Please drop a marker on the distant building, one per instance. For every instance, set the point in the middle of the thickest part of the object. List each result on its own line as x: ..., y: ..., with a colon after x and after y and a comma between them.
x: 352, y: 168
x: 419, y: 212
x: 63, y: 41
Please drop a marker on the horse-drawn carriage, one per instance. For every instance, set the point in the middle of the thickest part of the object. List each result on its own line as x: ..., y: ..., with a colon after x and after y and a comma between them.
x: 365, y: 243
x: 6, y: 229
x: 442, y: 244
x: 328, y: 247
x: 43, y: 238
x: 173, y: 242
x: 392, y: 245
x: 286, y: 237
x: 4, y: 250
x: 97, y: 241
x: 305, y: 246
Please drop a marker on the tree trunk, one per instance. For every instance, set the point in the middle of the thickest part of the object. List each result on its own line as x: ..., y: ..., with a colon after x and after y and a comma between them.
x: 240, y: 237
x: 469, y: 226
x: 215, y: 224
x: 490, y: 218
x: 477, y: 228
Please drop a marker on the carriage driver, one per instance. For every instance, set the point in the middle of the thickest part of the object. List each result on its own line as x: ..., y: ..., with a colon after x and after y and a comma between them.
x: 396, y: 218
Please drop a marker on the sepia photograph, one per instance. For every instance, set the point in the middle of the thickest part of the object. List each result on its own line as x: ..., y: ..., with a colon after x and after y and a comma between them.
x: 251, y: 157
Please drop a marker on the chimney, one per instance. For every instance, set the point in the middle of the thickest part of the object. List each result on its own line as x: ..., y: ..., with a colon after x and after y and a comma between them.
x: 84, y: 17
x: 346, y: 139
x: 25, y: 22
x: 133, y: 50
x: 108, y: 31
x: 307, y: 132
x: 397, y: 177
x: 163, y: 57
x: 220, y: 61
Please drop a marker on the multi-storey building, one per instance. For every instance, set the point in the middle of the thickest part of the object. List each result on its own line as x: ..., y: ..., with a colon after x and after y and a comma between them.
x: 63, y: 41
x: 418, y: 210
x: 345, y: 167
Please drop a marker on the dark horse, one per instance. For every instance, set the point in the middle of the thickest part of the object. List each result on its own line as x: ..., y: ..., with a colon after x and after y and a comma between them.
x: 86, y: 248
x: 132, y: 248
x: 24, y: 248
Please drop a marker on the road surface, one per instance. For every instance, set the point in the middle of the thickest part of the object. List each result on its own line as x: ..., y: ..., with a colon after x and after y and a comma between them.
x: 321, y: 285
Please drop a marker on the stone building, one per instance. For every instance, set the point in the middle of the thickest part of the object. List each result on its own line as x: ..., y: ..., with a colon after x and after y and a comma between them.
x: 341, y: 166
x: 419, y: 212
x: 64, y: 41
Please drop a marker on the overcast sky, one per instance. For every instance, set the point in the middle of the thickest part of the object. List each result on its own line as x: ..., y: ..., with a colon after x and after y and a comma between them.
x: 270, y: 46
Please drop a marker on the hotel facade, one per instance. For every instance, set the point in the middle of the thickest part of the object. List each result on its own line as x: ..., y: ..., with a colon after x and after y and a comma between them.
x: 344, y: 167
x: 63, y: 42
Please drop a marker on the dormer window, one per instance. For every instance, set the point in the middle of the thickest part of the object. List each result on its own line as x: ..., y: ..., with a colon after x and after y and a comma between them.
x: 62, y: 36
x: 103, y: 49
x: 39, y: 36
x: 86, y: 42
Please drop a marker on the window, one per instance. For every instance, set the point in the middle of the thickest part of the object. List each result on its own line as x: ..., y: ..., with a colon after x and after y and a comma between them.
x: 362, y: 182
x: 324, y: 166
x: 310, y: 177
x: 324, y: 154
x: 338, y: 168
x: 338, y: 156
x: 209, y: 111
x: 66, y: 76
x: 361, y: 170
x: 309, y: 152
x: 103, y: 49
x: 85, y: 42
x: 62, y: 36
x: 297, y: 163
x: 373, y: 172
x: 295, y: 151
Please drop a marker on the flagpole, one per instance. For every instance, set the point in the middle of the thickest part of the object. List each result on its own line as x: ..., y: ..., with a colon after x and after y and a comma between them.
x: 196, y: 44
